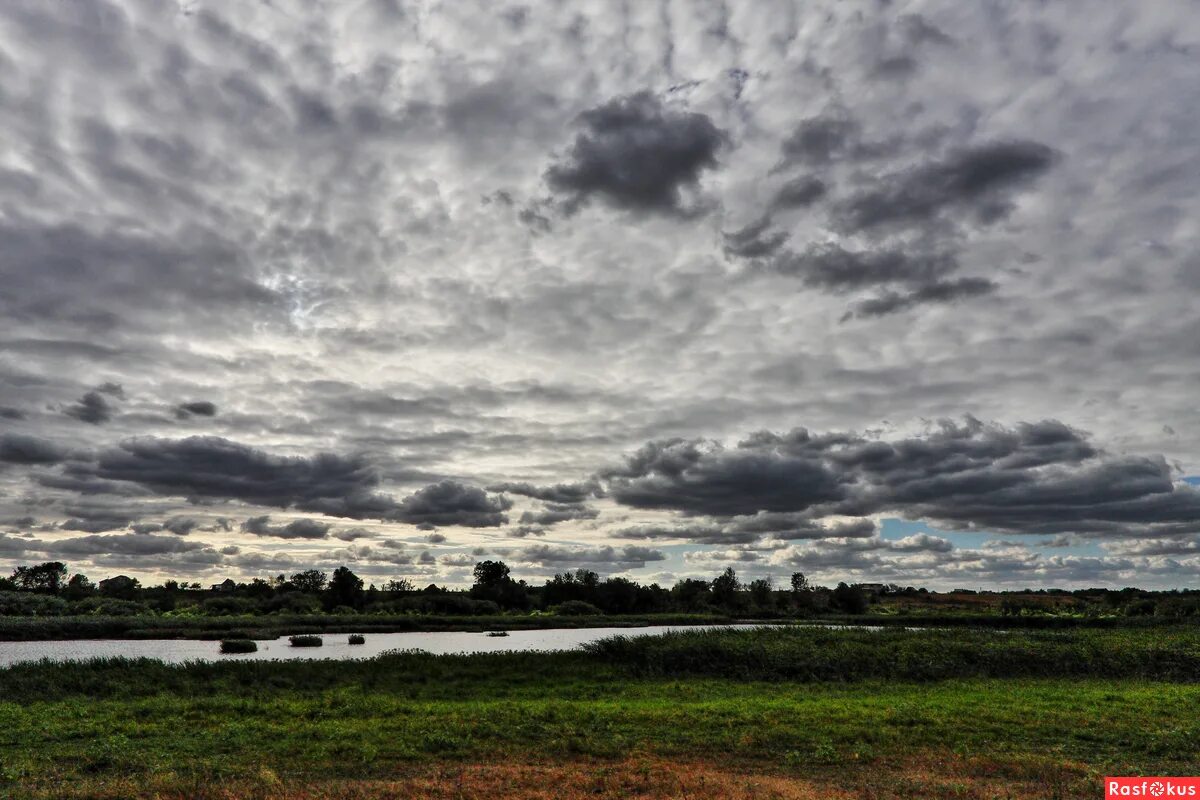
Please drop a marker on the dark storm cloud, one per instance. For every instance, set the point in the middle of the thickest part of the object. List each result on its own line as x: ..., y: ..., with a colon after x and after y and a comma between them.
x: 132, y: 544
x: 799, y: 193
x: 97, y: 518
x: 624, y: 557
x: 698, y: 477
x: 819, y: 140
x: 756, y: 240
x: 744, y: 530
x: 555, y: 493
x: 201, y: 408
x: 833, y: 267
x: 936, y: 292
x: 1035, y: 478
x: 637, y: 154
x: 977, y: 179
x: 212, y: 467
x: 180, y: 526
x: 452, y: 503
x: 555, y: 513
x: 91, y: 408
x: 181, y: 275
x: 296, y: 529
x: 17, y: 448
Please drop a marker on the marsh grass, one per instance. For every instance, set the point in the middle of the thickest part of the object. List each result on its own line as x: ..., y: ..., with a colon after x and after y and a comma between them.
x: 357, y: 638
x: 796, y: 702
x: 306, y: 640
x: 824, y: 654
x: 238, y: 646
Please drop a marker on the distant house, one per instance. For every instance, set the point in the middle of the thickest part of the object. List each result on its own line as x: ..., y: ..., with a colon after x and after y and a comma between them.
x: 226, y: 585
x: 873, y: 589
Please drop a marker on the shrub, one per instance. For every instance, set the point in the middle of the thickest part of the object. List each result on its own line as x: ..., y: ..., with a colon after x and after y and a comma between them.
x: 576, y: 608
x: 357, y: 638
x: 238, y: 646
x: 109, y: 607
x: 306, y: 640
x: 26, y: 604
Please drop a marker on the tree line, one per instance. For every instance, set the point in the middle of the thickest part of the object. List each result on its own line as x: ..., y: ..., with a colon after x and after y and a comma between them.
x: 50, y: 588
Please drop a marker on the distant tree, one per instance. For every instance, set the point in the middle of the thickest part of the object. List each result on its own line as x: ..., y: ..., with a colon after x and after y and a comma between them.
x: 725, y: 588
x: 311, y: 581
x: 345, y: 589
x: 399, y: 585
x: 491, y: 574
x: 45, y: 578
x: 79, y: 587
x: 849, y: 599
x: 691, y: 594
x: 260, y: 589
x: 121, y: 587
x: 799, y: 582
x: 761, y: 591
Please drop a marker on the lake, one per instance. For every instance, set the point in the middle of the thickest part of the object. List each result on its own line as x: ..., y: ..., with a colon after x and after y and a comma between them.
x: 177, y: 651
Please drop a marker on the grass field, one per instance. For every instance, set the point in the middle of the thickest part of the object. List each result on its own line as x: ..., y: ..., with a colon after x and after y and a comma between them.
x: 640, y: 718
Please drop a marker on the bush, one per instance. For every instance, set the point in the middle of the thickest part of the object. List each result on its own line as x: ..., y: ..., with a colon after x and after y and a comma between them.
x: 221, y: 606
x: 109, y: 607
x: 576, y: 608
x: 26, y: 604
x: 238, y: 646
x: 306, y: 640
x: 357, y: 638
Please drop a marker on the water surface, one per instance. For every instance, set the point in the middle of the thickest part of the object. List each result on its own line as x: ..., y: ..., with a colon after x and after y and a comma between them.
x: 336, y: 647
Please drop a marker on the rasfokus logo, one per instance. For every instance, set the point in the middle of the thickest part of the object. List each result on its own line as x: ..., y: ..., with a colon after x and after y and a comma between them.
x: 1151, y: 787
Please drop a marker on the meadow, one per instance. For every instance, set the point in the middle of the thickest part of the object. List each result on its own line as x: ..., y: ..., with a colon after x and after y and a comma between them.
x: 794, y: 712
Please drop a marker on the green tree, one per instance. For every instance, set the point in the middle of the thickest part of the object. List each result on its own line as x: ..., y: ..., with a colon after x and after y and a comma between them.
x: 725, y: 588
x: 79, y: 587
x: 345, y: 589
x: 491, y: 574
x: 761, y: 591
x: 849, y: 599
x: 46, y: 578
x: 311, y: 581
x: 799, y: 582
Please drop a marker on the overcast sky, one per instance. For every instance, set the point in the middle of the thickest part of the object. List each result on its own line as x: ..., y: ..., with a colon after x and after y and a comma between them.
x: 878, y: 291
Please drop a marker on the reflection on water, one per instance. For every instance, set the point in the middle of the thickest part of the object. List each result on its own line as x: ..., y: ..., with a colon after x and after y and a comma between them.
x: 336, y: 647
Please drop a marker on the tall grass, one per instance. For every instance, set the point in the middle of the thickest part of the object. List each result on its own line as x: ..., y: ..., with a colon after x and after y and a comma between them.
x: 306, y: 640
x: 821, y: 654
x: 776, y: 654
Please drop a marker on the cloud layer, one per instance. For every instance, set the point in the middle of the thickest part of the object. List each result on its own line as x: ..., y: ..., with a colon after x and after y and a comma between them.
x: 407, y: 285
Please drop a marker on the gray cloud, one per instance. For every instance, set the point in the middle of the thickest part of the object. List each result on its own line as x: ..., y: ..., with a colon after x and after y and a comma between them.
x: 1035, y: 478
x: 296, y: 529
x: 197, y: 408
x: 383, y: 240
x: 976, y: 179
x: 453, y: 503
x: 637, y: 154
x: 91, y: 408
x: 624, y: 557
x: 16, y: 448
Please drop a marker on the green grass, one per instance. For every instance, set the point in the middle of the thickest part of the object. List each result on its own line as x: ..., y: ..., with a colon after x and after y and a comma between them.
x: 238, y: 646
x: 790, y: 700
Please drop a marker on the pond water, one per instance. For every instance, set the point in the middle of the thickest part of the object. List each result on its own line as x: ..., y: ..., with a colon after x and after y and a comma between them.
x: 336, y: 646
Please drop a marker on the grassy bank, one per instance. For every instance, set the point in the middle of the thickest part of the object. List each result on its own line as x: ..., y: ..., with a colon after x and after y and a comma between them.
x: 640, y: 717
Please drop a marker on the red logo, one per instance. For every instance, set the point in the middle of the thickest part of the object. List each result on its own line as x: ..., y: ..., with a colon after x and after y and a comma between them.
x: 1151, y: 787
